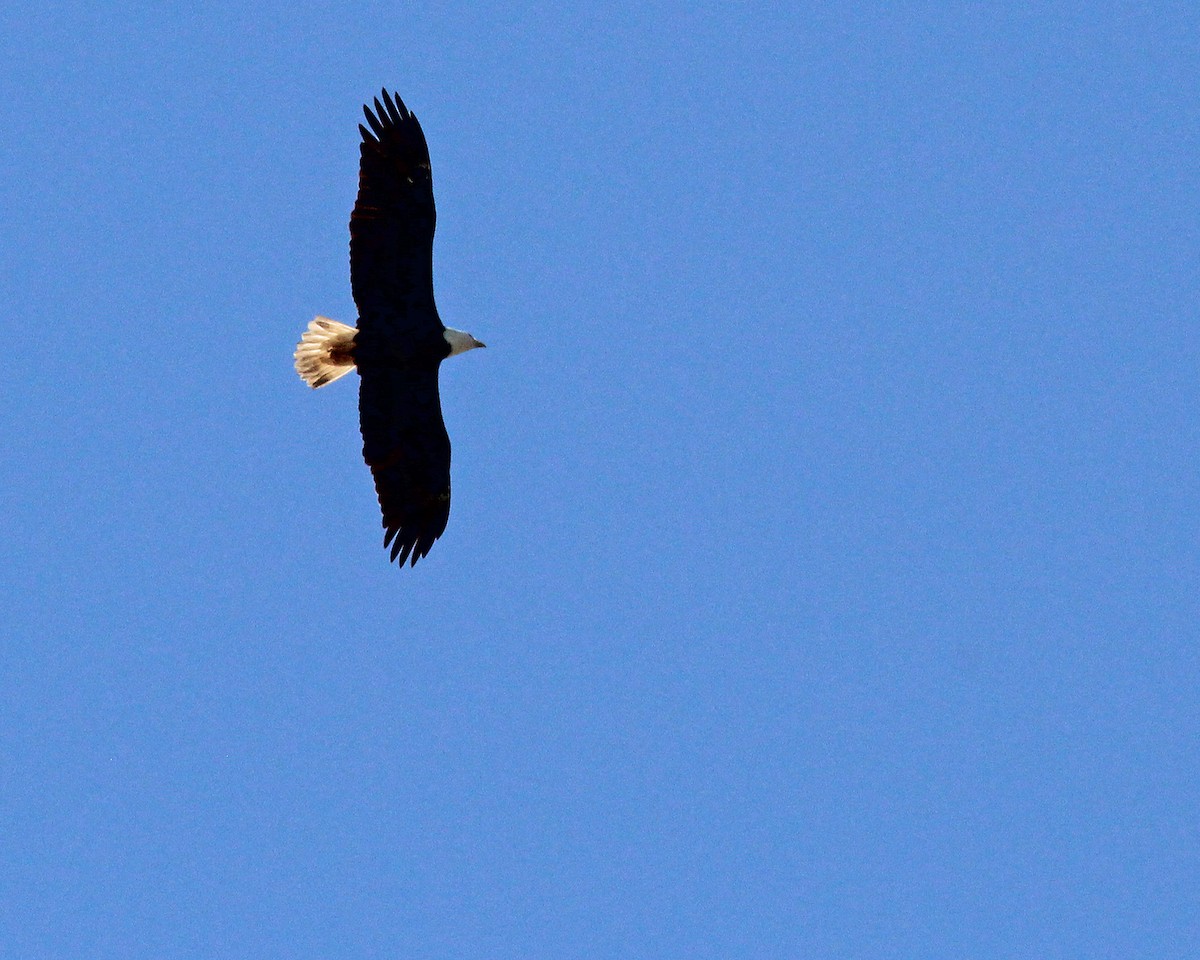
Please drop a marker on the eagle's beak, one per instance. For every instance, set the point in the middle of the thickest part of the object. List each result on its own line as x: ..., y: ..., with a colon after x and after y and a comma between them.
x: 480, y: 343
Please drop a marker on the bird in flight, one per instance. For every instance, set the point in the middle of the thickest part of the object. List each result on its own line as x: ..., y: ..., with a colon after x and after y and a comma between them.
x: 400, y: 341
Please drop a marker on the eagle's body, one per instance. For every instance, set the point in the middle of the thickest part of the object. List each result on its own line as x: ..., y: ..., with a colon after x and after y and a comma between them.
x: 400, y: 340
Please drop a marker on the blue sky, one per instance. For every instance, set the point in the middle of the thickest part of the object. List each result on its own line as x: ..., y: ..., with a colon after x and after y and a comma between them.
x: 821, y: 579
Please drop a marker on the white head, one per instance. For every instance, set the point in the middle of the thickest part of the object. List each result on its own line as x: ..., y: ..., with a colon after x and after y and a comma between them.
x: 460, y: 342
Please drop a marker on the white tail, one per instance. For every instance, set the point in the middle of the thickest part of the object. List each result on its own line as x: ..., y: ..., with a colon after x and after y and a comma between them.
x: 325, y: 352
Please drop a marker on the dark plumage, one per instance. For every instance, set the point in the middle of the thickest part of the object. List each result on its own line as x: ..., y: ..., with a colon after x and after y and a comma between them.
x: 400, y: 340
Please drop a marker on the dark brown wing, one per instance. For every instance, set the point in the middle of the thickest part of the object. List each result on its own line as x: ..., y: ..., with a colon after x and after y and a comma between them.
x: 406, y: 446
x: 391, y: 227
x: 399, y: 344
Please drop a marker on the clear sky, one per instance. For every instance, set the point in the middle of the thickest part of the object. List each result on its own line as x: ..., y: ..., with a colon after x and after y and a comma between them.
x: 822, y: 576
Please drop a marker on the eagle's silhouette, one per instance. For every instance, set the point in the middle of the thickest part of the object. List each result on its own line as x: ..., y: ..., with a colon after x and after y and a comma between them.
x: 400, y: 341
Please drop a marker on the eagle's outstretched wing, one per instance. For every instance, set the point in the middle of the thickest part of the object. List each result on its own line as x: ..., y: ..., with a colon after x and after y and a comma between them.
x: 406, y: 446
x: 391, y: 227
x: 399, y: 343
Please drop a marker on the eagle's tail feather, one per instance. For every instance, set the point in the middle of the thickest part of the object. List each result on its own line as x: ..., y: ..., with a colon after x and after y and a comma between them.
x: 325, y: 352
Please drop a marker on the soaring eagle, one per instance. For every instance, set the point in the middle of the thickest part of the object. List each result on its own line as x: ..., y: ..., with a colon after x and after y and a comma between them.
x: 400, y: 341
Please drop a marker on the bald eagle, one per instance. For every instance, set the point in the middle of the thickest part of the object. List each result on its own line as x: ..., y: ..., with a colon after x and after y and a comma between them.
x: 400, y: 341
